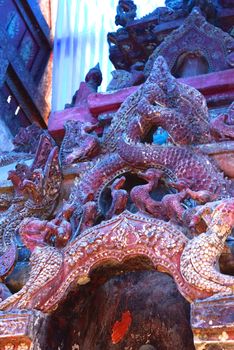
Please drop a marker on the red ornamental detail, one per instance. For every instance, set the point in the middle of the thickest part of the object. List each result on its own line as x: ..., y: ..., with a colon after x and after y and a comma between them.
x: 121, y: 327
x: 59, y: 262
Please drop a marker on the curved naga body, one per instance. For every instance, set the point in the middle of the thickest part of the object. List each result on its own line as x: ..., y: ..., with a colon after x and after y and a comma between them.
x: 182, y: 162
x: 160, y: 101
x: 191, y: 262
x: 128, y: 235
x: 186, y: 120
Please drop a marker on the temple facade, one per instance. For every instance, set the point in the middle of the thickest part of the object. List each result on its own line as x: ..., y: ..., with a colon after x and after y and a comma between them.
x: 117, y: 212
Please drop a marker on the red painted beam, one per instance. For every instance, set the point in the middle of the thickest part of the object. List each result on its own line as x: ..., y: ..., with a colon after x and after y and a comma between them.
x: 216, y: 81
x: 217, y: 87
x: 102, y: 102
x: 206, y: 84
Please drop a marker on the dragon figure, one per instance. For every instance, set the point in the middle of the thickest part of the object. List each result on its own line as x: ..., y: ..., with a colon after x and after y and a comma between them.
x: 85, y: 234
x: 36, y: 190
x: 161, y: 101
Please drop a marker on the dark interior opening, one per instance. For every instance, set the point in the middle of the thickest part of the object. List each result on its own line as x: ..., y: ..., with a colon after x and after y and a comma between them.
x: 190, y: 64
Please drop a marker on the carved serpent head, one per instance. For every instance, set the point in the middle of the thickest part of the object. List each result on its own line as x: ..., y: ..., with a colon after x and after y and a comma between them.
x: 222, y: 219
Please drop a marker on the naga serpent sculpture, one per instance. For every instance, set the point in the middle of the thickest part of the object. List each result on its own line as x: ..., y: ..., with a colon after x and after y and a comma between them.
x: 180, y: 110
x: 36, y: 190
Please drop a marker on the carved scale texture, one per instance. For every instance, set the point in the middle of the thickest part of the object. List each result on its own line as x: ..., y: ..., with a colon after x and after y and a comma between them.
x: 183, y: 162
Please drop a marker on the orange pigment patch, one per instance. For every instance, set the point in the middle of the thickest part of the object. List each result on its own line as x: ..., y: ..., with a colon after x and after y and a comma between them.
x: 121, y: 327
